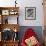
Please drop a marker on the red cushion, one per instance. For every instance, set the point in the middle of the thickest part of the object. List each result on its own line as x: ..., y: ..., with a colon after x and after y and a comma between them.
x: 29, y: 33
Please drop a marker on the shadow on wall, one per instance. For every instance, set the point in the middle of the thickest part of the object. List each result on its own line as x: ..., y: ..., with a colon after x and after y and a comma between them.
x: 37, y: 29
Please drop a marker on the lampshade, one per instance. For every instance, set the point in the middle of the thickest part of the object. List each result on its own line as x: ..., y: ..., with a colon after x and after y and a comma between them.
x: 15, y: 30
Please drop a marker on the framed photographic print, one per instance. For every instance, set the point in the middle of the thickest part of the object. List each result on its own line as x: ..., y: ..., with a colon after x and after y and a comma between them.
x: 30, y: 13
x: 5, y: 12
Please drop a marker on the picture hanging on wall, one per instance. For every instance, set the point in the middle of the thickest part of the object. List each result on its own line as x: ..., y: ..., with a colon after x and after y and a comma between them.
x: 30, y: 13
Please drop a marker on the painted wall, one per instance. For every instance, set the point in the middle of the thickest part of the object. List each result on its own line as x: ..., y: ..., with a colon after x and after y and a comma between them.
x: 39, y: 13
x: 26, y: 3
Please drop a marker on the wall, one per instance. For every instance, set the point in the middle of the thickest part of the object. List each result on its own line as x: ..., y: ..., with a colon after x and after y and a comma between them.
x: 39, y: 12
x: 27, y: 3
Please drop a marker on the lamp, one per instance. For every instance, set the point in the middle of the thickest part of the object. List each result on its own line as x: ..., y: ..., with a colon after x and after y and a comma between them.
x: 15, y: 35
x: 15, y: 30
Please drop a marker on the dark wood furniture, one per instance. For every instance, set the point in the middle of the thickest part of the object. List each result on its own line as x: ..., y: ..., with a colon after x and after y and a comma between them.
x: 5, y: 12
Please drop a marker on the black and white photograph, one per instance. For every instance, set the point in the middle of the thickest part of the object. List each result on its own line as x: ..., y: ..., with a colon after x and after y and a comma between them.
x: 30, y: 13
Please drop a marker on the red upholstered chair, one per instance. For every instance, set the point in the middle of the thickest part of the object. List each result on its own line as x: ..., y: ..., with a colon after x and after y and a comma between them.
x: 29, y: 34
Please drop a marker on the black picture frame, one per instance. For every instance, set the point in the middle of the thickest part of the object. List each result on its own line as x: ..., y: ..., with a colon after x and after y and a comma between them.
x: 30, y: 13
